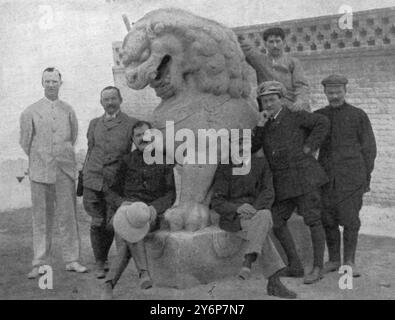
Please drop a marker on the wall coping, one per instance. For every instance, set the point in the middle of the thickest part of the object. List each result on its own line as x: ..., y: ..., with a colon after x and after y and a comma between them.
x: 320, y: 37
x: 358, y: 14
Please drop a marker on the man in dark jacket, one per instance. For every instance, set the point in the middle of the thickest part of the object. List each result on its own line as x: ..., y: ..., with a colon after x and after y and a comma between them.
x: 244, y: 203
x: 347, y: 156
x: 109, y: 139
x: 139, y: 182
x: 289, y: 140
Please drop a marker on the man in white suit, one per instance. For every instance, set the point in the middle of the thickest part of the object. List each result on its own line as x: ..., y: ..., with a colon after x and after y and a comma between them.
x: 49, y: 130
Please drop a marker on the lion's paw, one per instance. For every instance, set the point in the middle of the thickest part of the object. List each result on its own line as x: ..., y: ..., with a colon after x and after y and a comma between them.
x: 197, y: 218
x: 174, y: 216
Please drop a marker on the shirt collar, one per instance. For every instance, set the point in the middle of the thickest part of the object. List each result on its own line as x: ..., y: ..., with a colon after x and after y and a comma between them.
x: 339, y: 107
x: 50, y: 101
x: 111, y: 116
x: 276, y: 115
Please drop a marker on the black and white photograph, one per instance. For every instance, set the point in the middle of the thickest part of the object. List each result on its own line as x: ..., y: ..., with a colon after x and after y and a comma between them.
x: 221, y: 152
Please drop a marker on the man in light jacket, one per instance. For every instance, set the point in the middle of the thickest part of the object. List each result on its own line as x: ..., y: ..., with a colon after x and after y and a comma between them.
x: 48, y: 131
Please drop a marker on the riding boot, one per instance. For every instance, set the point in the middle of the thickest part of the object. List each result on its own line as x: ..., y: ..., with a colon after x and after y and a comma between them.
x: 120, y: 262
x: 350, y: 239
x: 97, y: 236
x: 108, y: 238
x: 333, y: 243
x: 139, y: 255
x: 295, y: 267
x: 318, y: 240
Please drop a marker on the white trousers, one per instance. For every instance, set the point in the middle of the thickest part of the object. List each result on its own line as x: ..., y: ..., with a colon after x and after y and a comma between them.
x: 256, y: 231
x: 45, y: 198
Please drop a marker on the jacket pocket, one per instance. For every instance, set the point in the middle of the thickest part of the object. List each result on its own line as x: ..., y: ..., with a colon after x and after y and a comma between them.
x: 280, y: 159
x: 350, y: 176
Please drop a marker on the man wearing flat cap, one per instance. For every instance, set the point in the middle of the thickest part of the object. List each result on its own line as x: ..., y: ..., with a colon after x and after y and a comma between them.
x: 347, y: 155
x: 142, y: 193
x: 289, y: 140
x: 276, y: 65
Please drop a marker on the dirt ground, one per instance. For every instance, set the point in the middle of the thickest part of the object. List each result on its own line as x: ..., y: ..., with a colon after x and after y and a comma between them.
x: 376, y: 260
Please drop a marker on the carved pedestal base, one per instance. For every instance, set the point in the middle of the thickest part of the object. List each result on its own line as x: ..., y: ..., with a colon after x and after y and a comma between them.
x: 185, y: 259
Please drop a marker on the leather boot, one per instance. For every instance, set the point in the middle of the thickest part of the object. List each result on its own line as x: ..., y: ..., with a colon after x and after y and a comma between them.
x: 245, y: 272
x: 97, y: 239
x: 355, y: 271
x: 333, y: 243
x: 314, y: 276
x: 318, y: 240
x: 295, y: 267
x: 331, y: 266
x: 350, y: 240
x: 145, y: 280
x: 120, y: 262
x: 107, y: 292
x: 276, y: 288
x: 108, y: 238
x: 100, y: 272
x: 139, y: 255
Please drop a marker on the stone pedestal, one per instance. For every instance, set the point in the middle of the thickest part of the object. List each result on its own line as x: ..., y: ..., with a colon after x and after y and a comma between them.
x: 185, y: 259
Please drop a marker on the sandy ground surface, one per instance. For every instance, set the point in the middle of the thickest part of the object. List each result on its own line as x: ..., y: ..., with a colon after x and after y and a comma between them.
x: 376, y: 260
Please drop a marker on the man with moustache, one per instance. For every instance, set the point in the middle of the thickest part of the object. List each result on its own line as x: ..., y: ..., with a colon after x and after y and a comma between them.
x: 143, y: 193
x: 244, y: 203
x: 49, y: 129
x: 289, y: 140
x: 278, y: 66
x: 109, y: 139
x: 347, y: 156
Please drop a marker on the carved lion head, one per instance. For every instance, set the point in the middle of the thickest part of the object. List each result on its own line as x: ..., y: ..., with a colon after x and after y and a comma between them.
x: 174, y: 51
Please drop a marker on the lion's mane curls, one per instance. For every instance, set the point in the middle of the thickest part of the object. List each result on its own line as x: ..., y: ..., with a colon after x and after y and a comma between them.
x: 212, y: 53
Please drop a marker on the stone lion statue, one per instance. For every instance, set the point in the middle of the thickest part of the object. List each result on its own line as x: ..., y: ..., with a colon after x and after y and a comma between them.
x: 199, y: 72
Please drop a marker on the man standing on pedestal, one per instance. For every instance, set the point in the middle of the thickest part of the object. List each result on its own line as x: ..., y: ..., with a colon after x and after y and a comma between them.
x: 289, y: 140
x: 49, y: 129
x: 277, y: 65
x: 347, y: 156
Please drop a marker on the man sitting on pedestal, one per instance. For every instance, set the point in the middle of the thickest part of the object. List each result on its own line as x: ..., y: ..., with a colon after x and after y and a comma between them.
x: 243, y: 203
x: 144, y: 192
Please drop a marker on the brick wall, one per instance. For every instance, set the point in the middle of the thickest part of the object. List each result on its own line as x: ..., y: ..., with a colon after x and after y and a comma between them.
x: 371, y: 87
x: 365, y: 54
